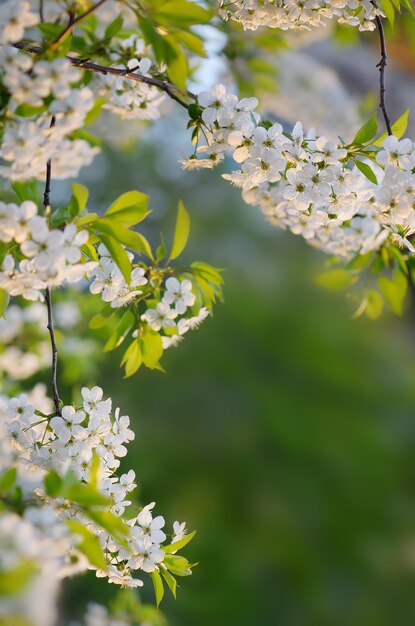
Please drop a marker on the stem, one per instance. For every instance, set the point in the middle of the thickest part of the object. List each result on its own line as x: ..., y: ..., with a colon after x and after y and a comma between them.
x: 46, y: 194
x: 171, y: 90
x: 382, y: 66
x: 53, y: 380
x: 48, y: 297
x: 73, y: 23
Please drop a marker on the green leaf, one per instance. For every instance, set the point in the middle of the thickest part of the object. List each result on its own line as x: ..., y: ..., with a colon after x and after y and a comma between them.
x: 161, y: 251
x: 336, y: 279
x: 158, y: 586
x: 119, y: 255
x: 366, y: 132
x: 50, y: 29
x: 178, y: 565
x: 98, y: 321
x: 4, y: 302
x: 94, y: 470
x: 408, y: 6
x: 132, y: 359
x: 114, y: 27
x: 170, y: 580
x: 366, y: 171
x: 94, y: 113
x: 181, y: 12
x: 60, y: 216
x: 123, y: 328
x: 151, y: 348
x: 398, y: 129
x: 389, y: 11
x: 129, y: 238
x: 13, y: 581
x: 26, y: 190
x: 181, y: 233
x: 8, y: 480
x: 27, y: 110
x: 209, y: 273
x: 374, y: 304
x: 191, y: 41
x: 178, y: 545
x: 177, y: 63
x: 114, y: 525
x: 394, y: 290
x: 84, y: 495
x: 81, y: 195
x: 53, y: 483
x: 129, y: 209
x: 89, y: 546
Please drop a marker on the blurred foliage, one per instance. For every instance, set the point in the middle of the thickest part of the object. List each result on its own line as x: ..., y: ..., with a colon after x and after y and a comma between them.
x: 283, y: 431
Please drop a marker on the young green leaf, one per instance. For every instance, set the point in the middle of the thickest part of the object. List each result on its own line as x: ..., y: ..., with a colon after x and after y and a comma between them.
x: 132, y: 359
x: 129, y: 209
x: 81, y: 195
x: 178, y: 545
x: 366, y: 132
x: 151, y: 348
x: 4, y: 302
x: 170, y: 580
x: 398, y: 129
x: 119, y: 255
x: 336, y: 279
x: 158, y: 587
x: 366, y: 171
x: 394, y: 290
x: 181, y: 233
x: 8, y: 480
x: 89, y: 545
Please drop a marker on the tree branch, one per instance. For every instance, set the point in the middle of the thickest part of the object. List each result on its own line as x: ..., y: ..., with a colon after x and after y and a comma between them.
x: 46, y: 194
x: 51, y: 329
x: 73, y: 23
x: 48, y: 297
x: 382, y: 66
x: 171, y: 90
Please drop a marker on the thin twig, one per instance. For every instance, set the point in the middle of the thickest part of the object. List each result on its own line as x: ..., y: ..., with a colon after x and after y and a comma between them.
x: 171, y: 90
x: 73, y: 23
x: 53, y: 380
x: 382, y: 66
x: 46, y: 194
x: 48, y: 297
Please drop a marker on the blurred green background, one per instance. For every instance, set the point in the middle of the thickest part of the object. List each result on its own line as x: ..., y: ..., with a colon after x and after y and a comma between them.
x: 283, y: 431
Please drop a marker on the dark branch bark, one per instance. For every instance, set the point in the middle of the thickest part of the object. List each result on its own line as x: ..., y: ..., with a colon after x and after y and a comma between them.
x: 171, y: 90
x: 53, y: 380
x: 382, y: 66
x: 46, y: 194
x: 48, y: 297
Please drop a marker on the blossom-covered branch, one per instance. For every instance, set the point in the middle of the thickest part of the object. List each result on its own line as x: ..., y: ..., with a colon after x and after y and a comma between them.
x: 171, y: 90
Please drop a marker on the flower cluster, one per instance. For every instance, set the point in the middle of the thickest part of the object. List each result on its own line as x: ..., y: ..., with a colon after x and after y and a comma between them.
x: 170, y: 314
x: 166, y: 314
x: 33, y: 549
x: 15, y: 17
x: 74, y: 440
x: 17, y: 363
x: 304, y: 15
x: 125, y: 97
x: 45, y: 106
x: 110, y: 283
x: 310, y: 185
x: 39, y: 256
